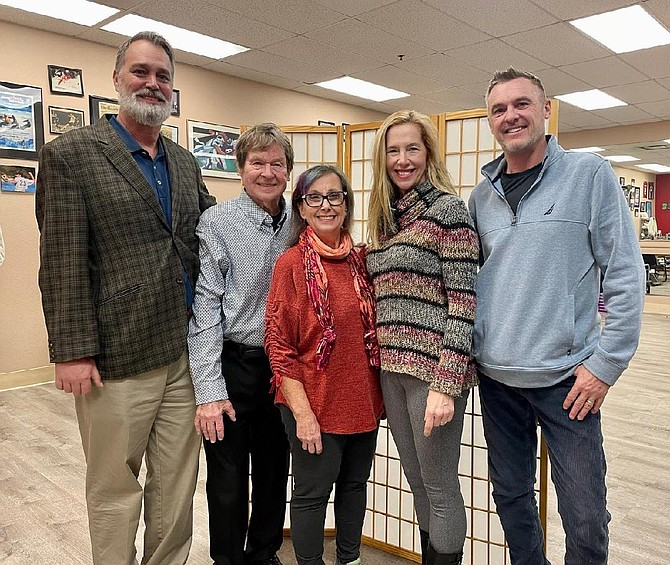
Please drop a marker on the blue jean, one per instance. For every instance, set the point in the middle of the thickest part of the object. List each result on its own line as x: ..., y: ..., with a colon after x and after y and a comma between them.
x: 510, y: 417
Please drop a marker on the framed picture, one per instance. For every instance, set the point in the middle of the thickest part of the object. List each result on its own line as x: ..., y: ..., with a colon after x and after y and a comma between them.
x: 214, y: 148
x: 650, y: 209
x: 622, y: 181
x: 637, y: 196
x: 17, y: 178
x: 64, y: 119
x: 99, y: 106
x: 650, y: 191
x: 175, y: 103
x: 644, y: 189
x: 65, y: 80
x: 171, y: 132
x: 21, y: 121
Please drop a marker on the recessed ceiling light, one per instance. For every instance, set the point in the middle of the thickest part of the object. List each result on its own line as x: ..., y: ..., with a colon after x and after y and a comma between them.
x: 625, y: 30
x: 621, y: 158
x: 179, y: 38
x: 75, y: 11
x: 667, y: 140
x: 591, y: 100
x: 362, y: 89
x: 586, y: 150
x: 654, y: 167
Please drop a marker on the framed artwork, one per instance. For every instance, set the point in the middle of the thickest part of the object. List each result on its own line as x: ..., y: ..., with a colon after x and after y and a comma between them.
x: 64, y: 119
x: 17, y: 178
x: 644, y: 189
x: 650, y: 191
x: 65, y: 80
x: 171, y: 132
x: 650, y: 210
x: 622, y: 181
x: 214, y: 148
x: 99, y: 106
x: 175, y: 103
x: 21, y: 121
x: 637, y: 196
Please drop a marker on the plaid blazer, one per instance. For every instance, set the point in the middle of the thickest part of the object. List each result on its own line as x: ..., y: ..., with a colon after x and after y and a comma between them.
x: 110, y: 267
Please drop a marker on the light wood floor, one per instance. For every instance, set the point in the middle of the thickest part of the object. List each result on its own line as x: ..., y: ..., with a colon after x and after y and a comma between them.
x: 43, y: 513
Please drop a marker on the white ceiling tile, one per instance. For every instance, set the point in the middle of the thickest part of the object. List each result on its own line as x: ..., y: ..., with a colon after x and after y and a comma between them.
x: 494, y: 55
x: 270, y: 63
x: 646, y: 91
x: 301, y: 48
x: 457, y: 99
x: 558, y: 44
x: 447, y: 70
x: 358, y: 37
x: 624, y: 114
x: 352, y: 7
x: 587, y: 119
x: 654, y: 62
x: 604, y: 72
x: 256, y: 76
x: 400, y: 78
x: 658, y: 109
x: 423, y: 24
x: 420, y: 104
x: 494, y: 17
x: 573, y: 9
x: 557, y: 82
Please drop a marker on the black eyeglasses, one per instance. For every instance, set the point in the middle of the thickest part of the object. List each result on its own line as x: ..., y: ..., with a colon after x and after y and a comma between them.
x: 315, y: 200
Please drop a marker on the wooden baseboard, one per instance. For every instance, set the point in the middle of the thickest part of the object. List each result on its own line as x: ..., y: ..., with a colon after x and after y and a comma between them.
x: 26, y: 377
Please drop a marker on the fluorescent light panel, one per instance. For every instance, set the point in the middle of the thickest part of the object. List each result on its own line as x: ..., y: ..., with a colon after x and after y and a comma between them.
x: 362, y: 89
x: 587, y: 150
x: 655, y: 167
x: 591, y: 100
x: 621, y: 158
x: 179, y: 38
x: 75, y: 11
x: 625, y: 30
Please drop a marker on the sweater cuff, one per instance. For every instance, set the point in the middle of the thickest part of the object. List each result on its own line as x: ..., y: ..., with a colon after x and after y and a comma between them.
x: 600, y: 366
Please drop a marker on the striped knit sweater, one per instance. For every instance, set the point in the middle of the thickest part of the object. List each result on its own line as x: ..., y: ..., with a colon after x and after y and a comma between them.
x: 424, y: 279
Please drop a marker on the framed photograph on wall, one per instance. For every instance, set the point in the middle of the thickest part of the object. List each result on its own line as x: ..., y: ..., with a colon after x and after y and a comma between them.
x: 214, y: 148
x: 622, y: 181
x: 21, y: 121
x: 99, y: 106
x: 637, y: 196
x: 644, y: 189
x: 171, y: 132
x: 650, y: 191
x: 64, y: 119
x: 65, y: 80
x: 175, y: 103
x: 17, y: 178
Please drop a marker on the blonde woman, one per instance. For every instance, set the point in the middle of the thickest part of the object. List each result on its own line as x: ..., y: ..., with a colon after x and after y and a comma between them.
x: 423, y: 261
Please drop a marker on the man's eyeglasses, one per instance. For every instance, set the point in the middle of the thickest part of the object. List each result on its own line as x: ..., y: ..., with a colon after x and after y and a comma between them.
x: 315, y: 200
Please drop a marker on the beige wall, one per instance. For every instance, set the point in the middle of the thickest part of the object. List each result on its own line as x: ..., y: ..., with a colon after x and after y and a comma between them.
x: 205, y: 96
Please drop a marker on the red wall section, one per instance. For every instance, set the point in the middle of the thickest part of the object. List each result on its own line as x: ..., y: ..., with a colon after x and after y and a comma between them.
x: 662, y: 195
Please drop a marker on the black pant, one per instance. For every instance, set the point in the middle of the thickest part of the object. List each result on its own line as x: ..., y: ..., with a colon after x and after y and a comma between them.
x: 258, y: 431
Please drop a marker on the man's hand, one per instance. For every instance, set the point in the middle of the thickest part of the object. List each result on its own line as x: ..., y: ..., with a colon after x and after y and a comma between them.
x: 439, y: 411
x: 586, y: 395
x: 209, y: 419
x: 308, y: 431
x: 76, y: 376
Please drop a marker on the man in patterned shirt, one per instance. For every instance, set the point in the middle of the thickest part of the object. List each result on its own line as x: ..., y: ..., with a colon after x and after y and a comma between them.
x: 240, y: 241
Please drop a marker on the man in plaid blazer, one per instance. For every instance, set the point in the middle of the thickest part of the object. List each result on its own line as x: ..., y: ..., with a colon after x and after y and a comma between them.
x: 117, y: 206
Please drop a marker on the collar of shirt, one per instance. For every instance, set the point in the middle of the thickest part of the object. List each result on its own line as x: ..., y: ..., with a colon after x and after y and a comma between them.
x: 130, y: 142
x: 257, y: 215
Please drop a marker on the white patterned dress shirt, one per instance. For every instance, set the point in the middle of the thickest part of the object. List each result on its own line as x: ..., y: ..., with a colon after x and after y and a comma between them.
x: 238, y: 250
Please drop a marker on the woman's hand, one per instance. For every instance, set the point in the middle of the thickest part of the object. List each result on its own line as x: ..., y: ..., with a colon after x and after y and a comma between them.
x: 308, y: 432
x: 439, y: 411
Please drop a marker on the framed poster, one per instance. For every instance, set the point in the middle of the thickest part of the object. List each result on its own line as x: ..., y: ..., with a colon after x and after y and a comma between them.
x: 650, y: 191
x: 644, y: 189
x: 65, y: 80
x: 99, y: 106
x: 171, y: 132
x: 64, y: 119
x: 21, y: 121
x: 637, y: 196
x: 214, y: 148
x: 17, y: 178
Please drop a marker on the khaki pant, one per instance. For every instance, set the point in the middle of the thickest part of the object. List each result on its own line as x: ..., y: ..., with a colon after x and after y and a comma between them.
x: 151, y: 416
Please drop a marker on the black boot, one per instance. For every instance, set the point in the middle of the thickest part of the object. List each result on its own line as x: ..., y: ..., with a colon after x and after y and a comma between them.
x: 425, y: 541
x: 435, y: 558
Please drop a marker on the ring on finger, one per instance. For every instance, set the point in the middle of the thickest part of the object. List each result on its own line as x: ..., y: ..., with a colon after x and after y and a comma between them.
x: 589, y: 402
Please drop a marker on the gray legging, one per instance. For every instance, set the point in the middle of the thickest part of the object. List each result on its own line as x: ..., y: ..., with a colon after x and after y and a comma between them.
x: 430, y: 463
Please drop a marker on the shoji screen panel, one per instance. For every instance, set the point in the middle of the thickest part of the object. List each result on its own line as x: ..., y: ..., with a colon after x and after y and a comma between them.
x: 359, y: 139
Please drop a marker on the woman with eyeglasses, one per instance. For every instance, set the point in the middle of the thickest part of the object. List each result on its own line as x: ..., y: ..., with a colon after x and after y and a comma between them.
x: 423, y: 261
x: 321, y: 341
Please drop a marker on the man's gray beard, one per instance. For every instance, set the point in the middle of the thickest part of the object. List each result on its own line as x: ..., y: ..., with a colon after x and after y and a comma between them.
x: 143, y: 112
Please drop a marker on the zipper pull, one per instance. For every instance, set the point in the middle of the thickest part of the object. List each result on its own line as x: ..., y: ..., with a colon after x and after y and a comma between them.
x: 514, y: 219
